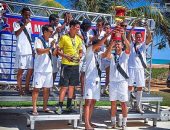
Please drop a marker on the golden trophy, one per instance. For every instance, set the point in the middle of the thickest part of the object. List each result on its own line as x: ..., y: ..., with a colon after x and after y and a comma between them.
x: 120, y: 12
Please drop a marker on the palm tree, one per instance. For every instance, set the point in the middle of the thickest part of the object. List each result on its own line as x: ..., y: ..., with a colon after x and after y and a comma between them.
x: 50, y: 3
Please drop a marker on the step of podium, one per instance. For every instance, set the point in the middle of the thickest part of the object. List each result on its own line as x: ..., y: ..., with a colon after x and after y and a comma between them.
x: 42, y: 116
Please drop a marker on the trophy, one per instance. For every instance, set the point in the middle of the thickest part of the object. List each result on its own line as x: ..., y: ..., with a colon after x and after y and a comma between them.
x: 75, y: 58
x: 142, y: 22
x: 120, y: 12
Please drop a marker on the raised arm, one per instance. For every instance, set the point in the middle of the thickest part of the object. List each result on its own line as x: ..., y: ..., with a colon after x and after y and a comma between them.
x: 100, y: 42
x: 107, y: 53
x: 129, y: 35
x: 126, y: 43
x: 149, y: 35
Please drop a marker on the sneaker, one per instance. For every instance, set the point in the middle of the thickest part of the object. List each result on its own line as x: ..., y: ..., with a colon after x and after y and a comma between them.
x: 124, y: 127
x: 138, y: 109
x: 70, y: 110
x: 112, y: 126
x: 59, y: 111
x: 106, y: 92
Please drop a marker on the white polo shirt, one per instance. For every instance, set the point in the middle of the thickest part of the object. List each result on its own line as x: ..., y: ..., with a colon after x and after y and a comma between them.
x: 134, y: 61
x: 115, y: 75
x: 23, y: 45
x: 91, y: 72
x: 42, y: 63
x: 92, y: 34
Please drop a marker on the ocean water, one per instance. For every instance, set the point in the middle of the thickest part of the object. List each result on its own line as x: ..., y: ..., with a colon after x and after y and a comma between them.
x: 160, y: 61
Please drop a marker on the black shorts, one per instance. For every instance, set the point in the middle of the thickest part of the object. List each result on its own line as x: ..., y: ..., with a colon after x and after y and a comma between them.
x: 69, y: 75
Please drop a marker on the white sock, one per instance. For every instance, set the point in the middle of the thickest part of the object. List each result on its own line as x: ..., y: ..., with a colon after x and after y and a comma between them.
x: 113, y: 120
x: 129, y: 92
x: 124, y: 121
x: 138, y: 98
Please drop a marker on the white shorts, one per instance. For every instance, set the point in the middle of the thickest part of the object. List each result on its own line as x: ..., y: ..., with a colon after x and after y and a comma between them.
x: 92, y: 89
x: 24, y: 61
x: 136, y: 76
x: 43, y: 79
x: 118, y: 91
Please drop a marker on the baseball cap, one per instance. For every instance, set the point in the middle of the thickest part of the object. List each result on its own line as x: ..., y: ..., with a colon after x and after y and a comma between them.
x: 86, y: 22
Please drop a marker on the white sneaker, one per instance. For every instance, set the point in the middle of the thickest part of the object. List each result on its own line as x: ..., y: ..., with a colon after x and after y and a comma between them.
x: 112, y: 126
x: 124, y: 127
x: 138, y: 109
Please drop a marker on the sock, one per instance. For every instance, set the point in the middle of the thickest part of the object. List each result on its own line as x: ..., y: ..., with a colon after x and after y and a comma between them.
x: 138, y: 98
x: 113, y: 120
x: 69, y: 101
x: 124, y: 121
x: 61, y: 104
x: 129, y: 94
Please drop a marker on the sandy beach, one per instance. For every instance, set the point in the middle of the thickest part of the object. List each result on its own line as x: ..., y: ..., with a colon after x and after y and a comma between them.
x: 160, y: 66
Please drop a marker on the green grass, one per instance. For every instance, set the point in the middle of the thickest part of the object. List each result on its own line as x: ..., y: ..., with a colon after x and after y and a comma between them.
x: 165, y: 95
x: 159, y: 73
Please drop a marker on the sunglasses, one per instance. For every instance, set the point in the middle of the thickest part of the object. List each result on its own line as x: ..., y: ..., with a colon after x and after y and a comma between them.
x: 123, y: 25
x: 106, y: 28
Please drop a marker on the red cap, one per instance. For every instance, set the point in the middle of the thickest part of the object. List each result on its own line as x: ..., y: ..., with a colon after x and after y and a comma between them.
x: 116, y: 38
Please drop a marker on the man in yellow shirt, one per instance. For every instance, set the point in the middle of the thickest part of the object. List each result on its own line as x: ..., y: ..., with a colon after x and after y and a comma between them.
x: 71, y: 46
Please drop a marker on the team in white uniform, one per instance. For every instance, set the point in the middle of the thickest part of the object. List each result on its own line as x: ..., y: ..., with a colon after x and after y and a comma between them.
x: 24, y: 50
x: 92, y: 79
x: 137, y: 65
x: 43, y: 72
x: 118, y: 85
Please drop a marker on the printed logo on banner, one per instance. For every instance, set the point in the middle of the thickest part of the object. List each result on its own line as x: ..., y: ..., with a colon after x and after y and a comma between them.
x: 13, y: 77
x: 5, y: 48
x: 6, y: 42
x: 6, y: 36
x: 5, y: 76
x: 4, y: 71
x: 14, y: 43
x: 14, y: 54
x: 13, y: 60
x: 5, y: 65
x: 5, y: 59
x: 14, y: 65
x: 5, y: 54
x: 14, y: 48
x: 14, y: 38
x: 14, y: 71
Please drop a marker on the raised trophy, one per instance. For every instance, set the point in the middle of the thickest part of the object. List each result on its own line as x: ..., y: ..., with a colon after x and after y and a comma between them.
x: 142, y: 22
x: 120, y: 12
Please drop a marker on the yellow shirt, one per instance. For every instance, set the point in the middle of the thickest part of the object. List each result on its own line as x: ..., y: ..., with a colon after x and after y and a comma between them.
x: 71, y: 47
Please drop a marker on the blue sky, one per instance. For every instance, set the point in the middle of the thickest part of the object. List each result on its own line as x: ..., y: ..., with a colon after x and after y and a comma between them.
x: 157, y: 54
